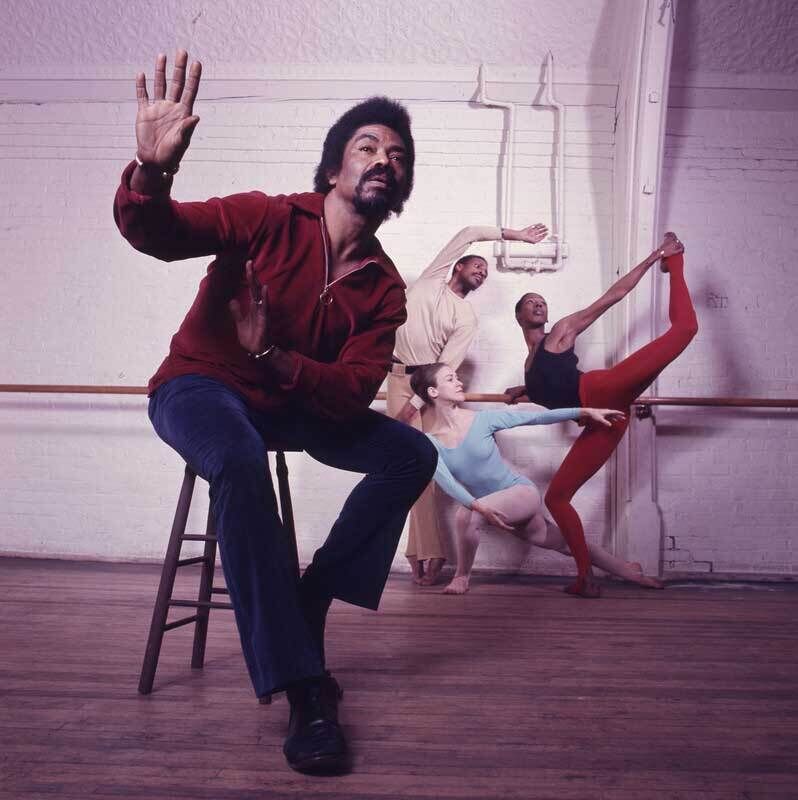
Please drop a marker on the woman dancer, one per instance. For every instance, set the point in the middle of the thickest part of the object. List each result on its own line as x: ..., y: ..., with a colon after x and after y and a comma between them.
x: 553, y: 380
x: 471, y: 470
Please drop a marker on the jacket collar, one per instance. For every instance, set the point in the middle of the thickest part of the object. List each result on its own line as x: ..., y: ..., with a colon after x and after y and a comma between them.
x: 313, y: 203
x: 310, y: 202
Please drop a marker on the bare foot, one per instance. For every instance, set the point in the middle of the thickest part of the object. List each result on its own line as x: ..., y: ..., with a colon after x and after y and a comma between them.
x: 644, y: 580
x: 459, y: 585
x: 417, y: 569
x: 584, y: 587
x: 432, y: 571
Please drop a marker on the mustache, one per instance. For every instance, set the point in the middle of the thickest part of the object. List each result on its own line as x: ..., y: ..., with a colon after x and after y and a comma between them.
x: 379, y: 171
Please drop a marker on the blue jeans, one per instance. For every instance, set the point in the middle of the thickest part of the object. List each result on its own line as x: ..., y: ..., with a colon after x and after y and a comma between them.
x: 224, y: 440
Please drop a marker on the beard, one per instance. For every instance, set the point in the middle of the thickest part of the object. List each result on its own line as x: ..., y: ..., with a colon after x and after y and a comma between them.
x: 377, y: 203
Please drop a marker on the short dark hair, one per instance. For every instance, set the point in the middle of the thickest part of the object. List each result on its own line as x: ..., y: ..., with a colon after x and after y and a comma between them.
x: 423, y: 378
x: 373, y: 111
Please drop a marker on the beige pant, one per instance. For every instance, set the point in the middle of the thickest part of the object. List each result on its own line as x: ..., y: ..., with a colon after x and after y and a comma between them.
x: 424, y: 538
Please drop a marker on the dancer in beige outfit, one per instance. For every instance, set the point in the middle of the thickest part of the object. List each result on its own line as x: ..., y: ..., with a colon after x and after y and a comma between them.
x: 440, y: 327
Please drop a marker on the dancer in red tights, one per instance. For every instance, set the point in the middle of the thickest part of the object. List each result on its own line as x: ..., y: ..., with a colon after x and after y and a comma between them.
x: 553, y: 380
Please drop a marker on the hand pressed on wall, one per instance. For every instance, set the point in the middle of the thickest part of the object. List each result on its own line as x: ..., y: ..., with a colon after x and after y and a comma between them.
x: 531, y: 234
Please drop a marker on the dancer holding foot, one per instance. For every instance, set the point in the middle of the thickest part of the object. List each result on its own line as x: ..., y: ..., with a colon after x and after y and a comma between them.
x: 440, y: 327
x: 553, y: 380
x: 471, y: 470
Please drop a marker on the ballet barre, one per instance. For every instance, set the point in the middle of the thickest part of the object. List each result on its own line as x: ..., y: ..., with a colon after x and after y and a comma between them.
x: 642, y: 405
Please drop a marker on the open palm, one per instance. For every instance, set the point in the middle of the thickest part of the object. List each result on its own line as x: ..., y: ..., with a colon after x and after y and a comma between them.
x: 164, y: 126
x: 534, y: 233
x: 251, y: 326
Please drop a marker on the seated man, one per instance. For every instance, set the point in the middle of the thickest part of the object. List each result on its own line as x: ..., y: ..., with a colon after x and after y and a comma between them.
x: 288, y: 339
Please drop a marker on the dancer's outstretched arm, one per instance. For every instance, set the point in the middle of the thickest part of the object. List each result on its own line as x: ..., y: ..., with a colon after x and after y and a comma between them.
x: 460, y: 242
x: 501, y: 420
x: 564, y: 332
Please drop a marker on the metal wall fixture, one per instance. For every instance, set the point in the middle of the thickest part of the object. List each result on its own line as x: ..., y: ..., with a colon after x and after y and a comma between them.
x: 547, y: 255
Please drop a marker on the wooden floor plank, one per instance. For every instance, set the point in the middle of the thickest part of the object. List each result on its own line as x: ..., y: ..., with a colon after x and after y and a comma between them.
x: 513, y: 691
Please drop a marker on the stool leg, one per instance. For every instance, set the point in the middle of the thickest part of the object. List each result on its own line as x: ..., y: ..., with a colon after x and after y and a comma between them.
x: 286, y: 507
x: 167, y: 583
x: 204, y: 596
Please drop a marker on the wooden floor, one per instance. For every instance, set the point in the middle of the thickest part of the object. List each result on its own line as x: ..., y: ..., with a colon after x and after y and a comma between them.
x: 514, y: 691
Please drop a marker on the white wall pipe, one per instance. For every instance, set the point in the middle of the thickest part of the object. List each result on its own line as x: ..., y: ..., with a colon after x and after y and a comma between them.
x: 505, y: 216
x: 559, y: 190
x: 558, y: 249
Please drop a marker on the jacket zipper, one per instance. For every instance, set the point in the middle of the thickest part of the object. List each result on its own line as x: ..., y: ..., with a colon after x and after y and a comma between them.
x: 326, y: 298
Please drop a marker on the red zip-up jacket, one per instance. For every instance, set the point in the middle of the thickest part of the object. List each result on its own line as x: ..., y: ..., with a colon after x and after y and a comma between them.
x: 340, y: 334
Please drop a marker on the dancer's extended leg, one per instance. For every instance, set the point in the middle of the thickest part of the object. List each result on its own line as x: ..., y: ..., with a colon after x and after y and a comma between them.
x: 616, y: 388
x: 620, y: 385
x: 547, y: 536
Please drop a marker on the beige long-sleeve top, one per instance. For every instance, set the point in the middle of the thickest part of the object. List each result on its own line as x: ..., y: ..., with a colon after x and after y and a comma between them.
x: 440, y: 325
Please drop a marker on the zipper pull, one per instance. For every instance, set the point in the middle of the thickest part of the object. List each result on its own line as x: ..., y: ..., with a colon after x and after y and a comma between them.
x: 326, y: 298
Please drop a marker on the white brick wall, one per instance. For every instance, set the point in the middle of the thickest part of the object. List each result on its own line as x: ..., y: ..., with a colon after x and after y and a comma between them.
x: 726, y: 477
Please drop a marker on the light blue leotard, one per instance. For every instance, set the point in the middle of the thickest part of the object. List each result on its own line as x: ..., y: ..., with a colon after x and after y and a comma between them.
x: 475, y: 467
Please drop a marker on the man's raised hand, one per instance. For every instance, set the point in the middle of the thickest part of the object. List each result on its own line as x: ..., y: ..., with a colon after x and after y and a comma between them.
x: 533, y: 233
x: 164, y: 126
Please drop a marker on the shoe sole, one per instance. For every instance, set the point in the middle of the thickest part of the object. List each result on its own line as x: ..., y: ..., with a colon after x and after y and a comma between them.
x: 322, y: 765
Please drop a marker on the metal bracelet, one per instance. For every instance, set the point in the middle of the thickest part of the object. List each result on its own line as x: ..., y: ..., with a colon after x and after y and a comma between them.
x: 165, y: 173
x: 263, y: 353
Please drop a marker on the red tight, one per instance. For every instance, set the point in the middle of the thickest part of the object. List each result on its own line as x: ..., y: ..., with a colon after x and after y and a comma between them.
x: 617, y: 388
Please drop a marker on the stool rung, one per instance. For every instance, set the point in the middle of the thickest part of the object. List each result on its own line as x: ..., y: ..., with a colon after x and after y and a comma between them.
x: 199, y: 604
x: 180, y: 622
x: 185, y: 562
x: 196, y: 537
x: 217, y: 590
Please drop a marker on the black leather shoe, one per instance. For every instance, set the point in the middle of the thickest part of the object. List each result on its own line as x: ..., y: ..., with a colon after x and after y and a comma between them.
x: 315, y: 742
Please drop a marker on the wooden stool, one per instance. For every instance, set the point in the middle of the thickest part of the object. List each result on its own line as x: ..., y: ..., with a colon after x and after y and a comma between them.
x: 203, y: 604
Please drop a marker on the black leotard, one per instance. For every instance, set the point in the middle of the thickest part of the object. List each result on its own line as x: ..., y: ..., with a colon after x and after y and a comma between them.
x: 552, y: 379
